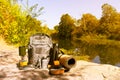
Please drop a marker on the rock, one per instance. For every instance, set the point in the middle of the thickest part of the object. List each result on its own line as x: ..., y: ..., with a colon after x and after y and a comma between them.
x: 93, y: 71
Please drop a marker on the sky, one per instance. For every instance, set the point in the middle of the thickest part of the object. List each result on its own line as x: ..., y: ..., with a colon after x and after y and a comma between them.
x: 54, y: 9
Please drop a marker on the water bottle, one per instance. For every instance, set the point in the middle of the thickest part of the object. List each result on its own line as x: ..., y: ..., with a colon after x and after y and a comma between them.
x: 45, y: 63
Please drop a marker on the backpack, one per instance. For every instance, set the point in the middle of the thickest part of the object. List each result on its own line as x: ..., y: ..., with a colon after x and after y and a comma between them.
x: 39, y: 49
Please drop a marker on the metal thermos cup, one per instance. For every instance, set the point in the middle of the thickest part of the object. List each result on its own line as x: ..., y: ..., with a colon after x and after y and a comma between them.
x: 45, y: 63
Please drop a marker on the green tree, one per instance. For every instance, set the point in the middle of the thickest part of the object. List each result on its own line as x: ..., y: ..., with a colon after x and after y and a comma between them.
x: 16, y: 26
x: 54, y: 33
x: 89, y: 23
x: 65, y: 27
x: 45, y: 29
x: 77, y: 32
x: 33, y: 11
x: 109, y: 22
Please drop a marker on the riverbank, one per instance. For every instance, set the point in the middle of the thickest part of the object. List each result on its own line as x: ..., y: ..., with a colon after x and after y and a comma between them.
x: 83, y: 70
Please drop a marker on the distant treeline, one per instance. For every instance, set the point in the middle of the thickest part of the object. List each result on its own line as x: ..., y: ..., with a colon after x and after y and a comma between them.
x: 17, y: 25
x: 89, y: 29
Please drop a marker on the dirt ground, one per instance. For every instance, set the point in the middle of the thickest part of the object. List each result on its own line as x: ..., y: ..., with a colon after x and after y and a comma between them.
x: 82, y: 71
x: 9, y: 57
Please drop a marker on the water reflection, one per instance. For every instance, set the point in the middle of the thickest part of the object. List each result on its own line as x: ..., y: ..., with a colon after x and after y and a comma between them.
x: 117, y: 64
x: 96, y: 59
x: 97, y: 53
x: 66, y: 44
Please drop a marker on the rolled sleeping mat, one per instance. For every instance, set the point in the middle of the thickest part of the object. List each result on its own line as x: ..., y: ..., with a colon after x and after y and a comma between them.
x: 67, y: 61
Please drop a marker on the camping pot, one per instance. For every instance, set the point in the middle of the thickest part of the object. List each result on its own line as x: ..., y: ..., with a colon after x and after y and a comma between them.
x: 22, y: 51
x: 23, y: 63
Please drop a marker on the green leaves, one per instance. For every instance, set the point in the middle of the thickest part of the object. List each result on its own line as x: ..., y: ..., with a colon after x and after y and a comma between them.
x: 65, y: 27
x: 109, y: 22
x: 15, y: 25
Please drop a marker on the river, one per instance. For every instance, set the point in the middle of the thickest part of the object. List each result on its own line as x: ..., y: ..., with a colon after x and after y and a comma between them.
x: 102, y: 54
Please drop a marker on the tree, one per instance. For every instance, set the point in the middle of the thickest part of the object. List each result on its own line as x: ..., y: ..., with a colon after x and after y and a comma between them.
x: 16, y: 26
x: 109, y: 22
x: 77, y: 32
x: 65, y: 27
x: 89, y: 23
x: 33, y: 10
